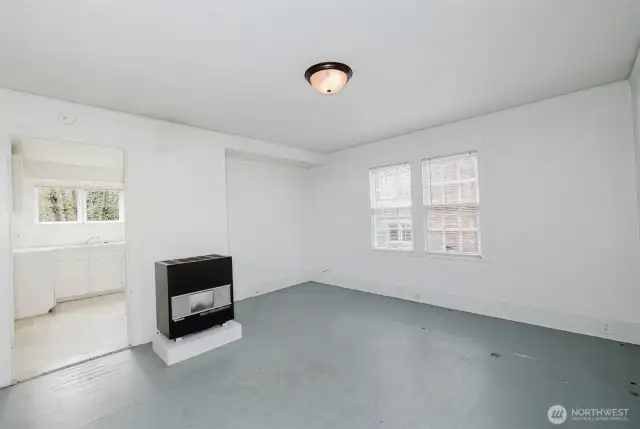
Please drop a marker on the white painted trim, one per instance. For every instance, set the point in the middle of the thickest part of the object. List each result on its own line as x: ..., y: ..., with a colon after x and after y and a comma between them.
x: 80, y: 212
x: 91, y: 295
x: 6, y: 373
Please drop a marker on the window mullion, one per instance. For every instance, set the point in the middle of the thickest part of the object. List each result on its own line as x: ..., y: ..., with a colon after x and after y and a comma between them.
x: 82, y: 205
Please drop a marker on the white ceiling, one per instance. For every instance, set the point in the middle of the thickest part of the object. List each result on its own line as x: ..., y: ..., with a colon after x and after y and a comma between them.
x: 237, y: 66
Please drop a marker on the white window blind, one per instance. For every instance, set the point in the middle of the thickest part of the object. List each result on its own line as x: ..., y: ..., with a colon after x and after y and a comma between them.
x: 391, y: 222
x: 452, y: 204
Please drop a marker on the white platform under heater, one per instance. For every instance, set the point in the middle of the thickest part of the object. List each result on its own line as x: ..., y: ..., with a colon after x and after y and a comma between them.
x: 193, y: 345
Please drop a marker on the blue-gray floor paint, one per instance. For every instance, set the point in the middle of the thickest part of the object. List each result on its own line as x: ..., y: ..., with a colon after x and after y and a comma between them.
x: 317, y: 356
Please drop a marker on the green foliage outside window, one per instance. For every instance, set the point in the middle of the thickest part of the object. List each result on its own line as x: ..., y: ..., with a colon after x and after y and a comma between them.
x: 103, y: 205
x: 57, y: 205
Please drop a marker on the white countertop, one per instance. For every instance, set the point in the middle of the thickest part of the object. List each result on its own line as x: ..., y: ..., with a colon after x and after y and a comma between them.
x: 65, y: 246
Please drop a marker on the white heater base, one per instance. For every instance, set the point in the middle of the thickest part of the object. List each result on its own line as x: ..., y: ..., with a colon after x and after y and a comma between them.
x: 192, y: 345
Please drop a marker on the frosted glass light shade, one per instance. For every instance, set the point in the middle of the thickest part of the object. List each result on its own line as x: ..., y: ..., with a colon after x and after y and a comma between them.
x: 328, y: 78
x: 329, y: 81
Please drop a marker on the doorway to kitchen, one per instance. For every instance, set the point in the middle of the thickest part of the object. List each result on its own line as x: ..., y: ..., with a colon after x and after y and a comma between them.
x: 68, y: 246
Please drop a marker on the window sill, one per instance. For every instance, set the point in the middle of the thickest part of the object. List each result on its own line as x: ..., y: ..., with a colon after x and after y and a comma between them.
x: 454, y: 256
x: 402, y: 251
x: 78, y: 222
x: 412, y: 254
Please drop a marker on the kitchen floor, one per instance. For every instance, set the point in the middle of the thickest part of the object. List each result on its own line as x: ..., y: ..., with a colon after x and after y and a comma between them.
x: 74, y: 331
x: 318, y: 356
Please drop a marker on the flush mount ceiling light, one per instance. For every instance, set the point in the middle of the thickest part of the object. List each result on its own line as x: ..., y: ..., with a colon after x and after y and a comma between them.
x: 329, y: 77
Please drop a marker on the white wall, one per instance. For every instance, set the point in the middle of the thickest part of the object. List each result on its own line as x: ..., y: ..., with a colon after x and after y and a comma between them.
x: 267, y: 225
x: 175, y: 188
x: 558, y: 212
x: 634, y: 81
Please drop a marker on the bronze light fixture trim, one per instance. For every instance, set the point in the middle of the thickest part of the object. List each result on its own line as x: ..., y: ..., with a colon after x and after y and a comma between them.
x: 328, y: 77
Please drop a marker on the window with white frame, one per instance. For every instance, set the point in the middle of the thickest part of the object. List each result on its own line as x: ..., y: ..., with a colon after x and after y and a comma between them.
x: 391, y: 223
x: 452, y: 204
x: 103, y: 205
x: 57, y: 204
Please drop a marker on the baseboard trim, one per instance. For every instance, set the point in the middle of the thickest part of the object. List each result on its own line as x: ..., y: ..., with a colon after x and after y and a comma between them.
x: 242, y: 291
x: 89, y: 295
x: 618, y: 330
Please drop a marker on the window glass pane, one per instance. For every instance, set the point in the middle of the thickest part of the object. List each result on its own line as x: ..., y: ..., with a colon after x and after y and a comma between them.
x: 451, y: 220
x: 103, y: 205
x: 391, y: 207
x: 452, y: 242
x: 392, y: 186
x: 469, y: 219
x: 393, y: 232
x: 57, y: 205
x: 470, y: 242
x: 386, y: 228
x: 435, y: 219
x: 407, y: 233
x: 437, y: 194
x: 451, y: 192
x: 468, y: 168
x: 451, y: 201
x: 469, y: 192
x: 450, y: 171
x: 436, y: 241
x: 437, y: 174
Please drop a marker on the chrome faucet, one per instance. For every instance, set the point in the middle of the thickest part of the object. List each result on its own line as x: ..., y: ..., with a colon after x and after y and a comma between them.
x: 90, y: 240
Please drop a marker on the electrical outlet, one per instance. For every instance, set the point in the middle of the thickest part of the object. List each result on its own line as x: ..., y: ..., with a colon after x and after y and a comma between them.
x: 607, y: 330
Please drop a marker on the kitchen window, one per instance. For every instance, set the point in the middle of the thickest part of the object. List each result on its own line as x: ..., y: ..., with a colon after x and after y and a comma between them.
x: 452, y: 204
x: 391, y: 223
x: 60, y: 204
x: 103, y: 205
x: 57, y: 204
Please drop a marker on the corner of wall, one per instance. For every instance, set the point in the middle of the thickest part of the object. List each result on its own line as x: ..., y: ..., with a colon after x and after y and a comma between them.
x: 634, y: 82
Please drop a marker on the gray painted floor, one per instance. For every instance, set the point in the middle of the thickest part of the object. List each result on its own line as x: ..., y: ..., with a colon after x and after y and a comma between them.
x: 317, y: 356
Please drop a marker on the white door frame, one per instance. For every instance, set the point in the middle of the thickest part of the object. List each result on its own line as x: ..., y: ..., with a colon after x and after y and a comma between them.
x: 127, y: 290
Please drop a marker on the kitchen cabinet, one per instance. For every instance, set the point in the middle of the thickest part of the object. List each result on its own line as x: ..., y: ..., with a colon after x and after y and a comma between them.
x: 44, y: 276
x: 89, y: 270
x: 33, y: 280
x: 106, y: 268
x: 71, y: 272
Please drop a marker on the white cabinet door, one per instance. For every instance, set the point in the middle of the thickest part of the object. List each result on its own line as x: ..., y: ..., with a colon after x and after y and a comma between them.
x: 106, y: 266
x: 71, y: 269
x: 33, y: 283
